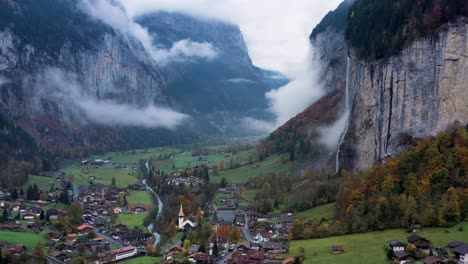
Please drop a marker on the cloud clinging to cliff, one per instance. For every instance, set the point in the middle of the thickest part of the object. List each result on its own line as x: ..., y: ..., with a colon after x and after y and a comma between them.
x: 116, y: 16
x: 74, y: 102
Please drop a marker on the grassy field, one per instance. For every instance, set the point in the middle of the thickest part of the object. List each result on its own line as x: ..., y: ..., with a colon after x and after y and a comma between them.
x: 138, y: 197
x: 317, y: 213
x: 132, y: 220
x: 103, y: 174
x: 43, y: 182
x: 368, y: 247
x: 244, y: 173
x: 136, y: 155
x: 27, y: 239
x: 143, y: 260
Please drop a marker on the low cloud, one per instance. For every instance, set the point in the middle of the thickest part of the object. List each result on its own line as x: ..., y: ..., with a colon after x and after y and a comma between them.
x: 330, y: 135
x: 3, y: 80
x: 239, y: 80
x: 257, y: 126
x: 72, y: 98
x: 115, y: 15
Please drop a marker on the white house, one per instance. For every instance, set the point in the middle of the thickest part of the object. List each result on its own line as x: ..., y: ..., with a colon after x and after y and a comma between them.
x: 396, y: 246
x: 461, y: 253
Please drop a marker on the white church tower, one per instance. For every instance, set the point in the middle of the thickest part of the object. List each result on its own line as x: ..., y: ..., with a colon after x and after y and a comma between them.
x: 181, y: 217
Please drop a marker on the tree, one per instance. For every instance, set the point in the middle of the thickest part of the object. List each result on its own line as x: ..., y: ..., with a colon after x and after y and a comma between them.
x: 74, y: 213
x: 202, y: 248
x: 223, y: 183
x: 215, y: 249
x: 38, y: 252
x: 187, y: 244
x: 41, y: 216
x: 149, y: 249
x: 113, y: 181
x: 14, y: 194
x: 234, y: 235
x: 5, y: 214
x: 297, y: 229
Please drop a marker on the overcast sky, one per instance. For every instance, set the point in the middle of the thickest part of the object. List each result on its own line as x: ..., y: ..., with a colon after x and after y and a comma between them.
x: 276, y: 31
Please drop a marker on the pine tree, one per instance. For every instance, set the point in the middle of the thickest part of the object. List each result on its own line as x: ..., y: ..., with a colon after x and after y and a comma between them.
x: 215, y: 249
x: 202, y: 248
x: 14, y: 194
x: 113, y: 181
x: 5, y: 214
x: 41, y: 216
x: 38, y: 252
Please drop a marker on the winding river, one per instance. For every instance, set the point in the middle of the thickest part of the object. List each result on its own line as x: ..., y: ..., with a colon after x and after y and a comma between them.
x: 150, y: 227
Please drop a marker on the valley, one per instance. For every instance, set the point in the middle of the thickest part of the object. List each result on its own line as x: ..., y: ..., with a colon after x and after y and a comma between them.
x: 233, y: 132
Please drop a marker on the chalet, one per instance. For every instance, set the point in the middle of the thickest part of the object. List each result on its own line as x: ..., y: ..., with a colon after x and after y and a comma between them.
x: 35, y: 210
x: 54, y: 236
x: 420, y: 243
x: 432, y: 260
x: 17, y: 249
x: 273, y: 246
x: 85, y: 229
x: 396, y: 246
x: 243, y: 246
x: 59, y: 255
x: 337, y: 249
x: 461, y: 253
x: 72, y: 236
x: 117, y: 210
x: 125, y: 252
x: 67, y: 246
x: 249, y: 257
x: 52, y: 214
x: 401, y: 256
x: 28, y: 216
x: 414, y: 228
x: 202, y: 258
x: 262, y: 237
x: 49, y: 244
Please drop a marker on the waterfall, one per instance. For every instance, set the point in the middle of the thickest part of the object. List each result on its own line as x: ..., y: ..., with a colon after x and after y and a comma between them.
x: 346, y: 114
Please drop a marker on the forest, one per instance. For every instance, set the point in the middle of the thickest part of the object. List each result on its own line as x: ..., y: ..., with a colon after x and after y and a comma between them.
x: 380, y: 29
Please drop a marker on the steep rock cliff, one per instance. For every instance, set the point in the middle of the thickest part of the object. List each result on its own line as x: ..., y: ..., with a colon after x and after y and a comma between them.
x: 414, y: 94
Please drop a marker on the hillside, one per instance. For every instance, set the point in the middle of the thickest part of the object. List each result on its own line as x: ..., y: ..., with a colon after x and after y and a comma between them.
x: 426, y: 184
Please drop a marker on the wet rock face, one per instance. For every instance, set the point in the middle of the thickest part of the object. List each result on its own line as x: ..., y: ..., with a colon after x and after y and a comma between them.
x: 415, y: 94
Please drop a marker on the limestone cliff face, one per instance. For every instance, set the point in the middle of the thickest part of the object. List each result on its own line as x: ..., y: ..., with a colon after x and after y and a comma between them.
x: 415, y: 94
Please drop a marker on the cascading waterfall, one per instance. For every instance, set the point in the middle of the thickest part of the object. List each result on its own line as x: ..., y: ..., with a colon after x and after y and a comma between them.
x: 346, y: 113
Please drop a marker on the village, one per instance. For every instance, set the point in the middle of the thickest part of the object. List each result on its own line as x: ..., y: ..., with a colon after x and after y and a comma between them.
x: 102, y: 223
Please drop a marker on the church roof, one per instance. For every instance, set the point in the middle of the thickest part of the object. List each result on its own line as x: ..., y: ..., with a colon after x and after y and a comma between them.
x: 181, y: 212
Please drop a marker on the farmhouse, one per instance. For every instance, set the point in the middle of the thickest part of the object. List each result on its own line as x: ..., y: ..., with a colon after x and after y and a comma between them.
x: 461, y: 253
x: 396, y: 246
x: 337, y: 249
x: 85, y: 229
x: 401, y: 256
x: 420, y: 243
x: 125, y: 252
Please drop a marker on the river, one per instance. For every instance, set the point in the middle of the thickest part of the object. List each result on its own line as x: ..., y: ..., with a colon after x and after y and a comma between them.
x: 150, y: 227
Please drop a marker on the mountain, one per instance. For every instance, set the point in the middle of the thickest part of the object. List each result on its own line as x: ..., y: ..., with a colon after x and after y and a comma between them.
x: 406, y: 66
x: 226, y: 88
x: 72, y: 84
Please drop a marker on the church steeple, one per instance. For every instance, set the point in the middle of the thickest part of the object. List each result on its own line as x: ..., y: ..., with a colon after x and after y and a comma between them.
x: 181, y: 211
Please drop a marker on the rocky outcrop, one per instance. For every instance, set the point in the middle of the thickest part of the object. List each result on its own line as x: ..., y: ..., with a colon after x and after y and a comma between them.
x: 414, y: 94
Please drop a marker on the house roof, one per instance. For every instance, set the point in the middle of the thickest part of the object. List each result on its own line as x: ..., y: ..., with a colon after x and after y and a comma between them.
x: 337, y: 248
x: 414, y: 238
x: 83, y: 227
x: 394, y: 243
x: 454, y: 244
x: 123, y: 250
x: 401, y: 254
x: 289, y: 260
x: 431, y: 260
x: 462, y: 249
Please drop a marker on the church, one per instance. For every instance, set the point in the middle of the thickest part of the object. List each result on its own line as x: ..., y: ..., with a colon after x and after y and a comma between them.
x: 183, y: 223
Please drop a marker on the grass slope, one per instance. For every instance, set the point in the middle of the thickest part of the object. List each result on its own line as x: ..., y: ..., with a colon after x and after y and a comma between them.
x: 132, y: 220
x: 368, y: 247
x: 138, y: 197
x: 244, y: 173
x: 317, y: 213
x: 143, y: 260
x: 27, y: 239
